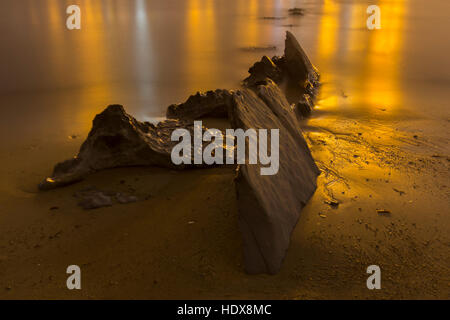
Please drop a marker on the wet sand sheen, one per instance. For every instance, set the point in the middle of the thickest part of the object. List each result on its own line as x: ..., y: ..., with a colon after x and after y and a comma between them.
x: 379, y: 133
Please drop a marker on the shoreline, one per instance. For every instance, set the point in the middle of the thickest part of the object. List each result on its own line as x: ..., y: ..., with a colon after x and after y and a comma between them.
x: 124, y: 249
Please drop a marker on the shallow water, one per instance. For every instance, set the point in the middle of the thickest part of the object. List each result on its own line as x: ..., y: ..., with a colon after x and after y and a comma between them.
x: 149, y: 54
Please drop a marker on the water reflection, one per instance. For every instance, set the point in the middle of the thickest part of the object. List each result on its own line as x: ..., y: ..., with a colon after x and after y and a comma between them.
x: 329, y: 29
x: 360, y: 66
x: 384, y: 60
x: 146, y: 54
x: 200, y: 43
x: 92, y: 62
x: 143, y: 62
x: 56, y: 39
x: 248, y: 32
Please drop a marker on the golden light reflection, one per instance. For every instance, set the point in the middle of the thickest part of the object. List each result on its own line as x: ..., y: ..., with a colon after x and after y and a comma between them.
x: 249, y: 32
x: 56, y: 25
x: 383, y: 85
x: 92, y: 63
x: 357, y: 56
x: 327, y: 44
x: 329, y: 28
x: 358, y: 36
x: 200, y: 41
x: 371, y: 57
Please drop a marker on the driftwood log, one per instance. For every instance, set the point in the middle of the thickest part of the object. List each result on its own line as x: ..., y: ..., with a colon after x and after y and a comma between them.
x: 269, y: 206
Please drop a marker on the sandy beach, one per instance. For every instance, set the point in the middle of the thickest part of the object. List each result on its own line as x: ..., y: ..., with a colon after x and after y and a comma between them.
x: 183, y: 241
x: 379, y: 134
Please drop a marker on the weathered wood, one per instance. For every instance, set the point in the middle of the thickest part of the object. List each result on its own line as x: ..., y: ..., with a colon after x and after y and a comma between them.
x: 269, y: 206
x: 212, y: 104
x: 118, y: 140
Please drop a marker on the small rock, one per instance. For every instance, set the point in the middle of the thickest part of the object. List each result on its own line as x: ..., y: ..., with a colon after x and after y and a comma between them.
x: 95, y: 200
x: 125, y: 198
x: 296, y: 12
x: 383, y: 212
x: 273, y: 18
x: 332, y: 203
x: 399, y: 191
x: 56, y: 235
x: 54, y: 208
x: 260, y: 48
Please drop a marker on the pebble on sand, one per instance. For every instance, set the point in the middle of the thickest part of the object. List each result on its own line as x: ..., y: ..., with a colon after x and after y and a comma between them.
x: 383, y: 212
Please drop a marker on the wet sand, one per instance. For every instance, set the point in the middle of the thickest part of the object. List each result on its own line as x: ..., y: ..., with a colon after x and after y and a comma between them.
x: 379, y: 134
x: 183, y: 241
